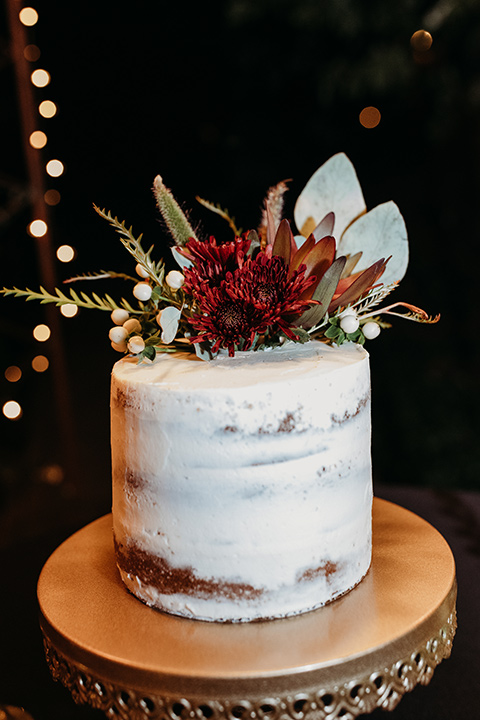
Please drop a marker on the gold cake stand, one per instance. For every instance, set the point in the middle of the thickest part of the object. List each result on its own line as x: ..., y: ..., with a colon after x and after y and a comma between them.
x: 364, y: 651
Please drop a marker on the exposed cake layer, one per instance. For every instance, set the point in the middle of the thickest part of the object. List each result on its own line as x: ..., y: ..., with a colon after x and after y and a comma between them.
x: 242, y: 487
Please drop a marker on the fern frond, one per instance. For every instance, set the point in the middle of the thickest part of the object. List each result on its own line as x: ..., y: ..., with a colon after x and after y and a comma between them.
x: 59, y: 298
x: 223, y: 212
x: 133, y: 244
x: 102, y: 275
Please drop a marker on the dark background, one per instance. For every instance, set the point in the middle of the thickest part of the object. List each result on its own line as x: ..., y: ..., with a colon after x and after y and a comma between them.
x: 224, y: 99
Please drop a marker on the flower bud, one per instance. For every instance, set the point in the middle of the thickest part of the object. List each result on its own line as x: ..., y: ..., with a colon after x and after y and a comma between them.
x: 175, y: 279
x: 118, y: 334
x: 371, y: 330
x: 132, y: 325
x: 136, y: 344
x: 142, y: 291
x: 119, y: 315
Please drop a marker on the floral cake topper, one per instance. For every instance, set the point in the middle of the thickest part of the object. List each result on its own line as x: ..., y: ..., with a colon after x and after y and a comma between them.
x: 264, y: 287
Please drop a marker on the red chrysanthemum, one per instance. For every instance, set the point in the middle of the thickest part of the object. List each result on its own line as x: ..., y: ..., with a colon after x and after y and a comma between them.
x: 257, y: 297
x: 212, y: 261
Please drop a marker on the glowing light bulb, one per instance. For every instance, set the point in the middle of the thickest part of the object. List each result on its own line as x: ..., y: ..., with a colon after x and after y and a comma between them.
x: 65, y: 253
x: 12, y: 410
x: 38, y: 228
x: 47, y: 109
x: 41, y: 333
x: 28, y: 16
x: 54, y: 168
x: 38, y: 139
x: 40, y: 363
x: 370, y: 117
x: 40, y: 78
x: 13, y: 373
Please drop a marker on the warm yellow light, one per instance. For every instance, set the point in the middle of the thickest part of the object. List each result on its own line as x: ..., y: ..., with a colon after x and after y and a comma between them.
x: 69, y: 310
x: 65, y: 253
x: 52, y: 197
x: 28, y: 16
x: 421, y: 41
x: 12, y: 410
x: 52, y: 474
x: 13, y: 373
x: 38, y: 139
x: 38, y: 228
x: 369, y: 117
x: 31, y: 53
x: 47, y: 109
x: 41, y: 333
x: 54, y: 168
x: 40, y: 363
x: 40, y: 78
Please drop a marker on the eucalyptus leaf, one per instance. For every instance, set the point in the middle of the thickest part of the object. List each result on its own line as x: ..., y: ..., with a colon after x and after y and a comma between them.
x: 169, y: 320
x: 334, y: 187
x: 379, y: 233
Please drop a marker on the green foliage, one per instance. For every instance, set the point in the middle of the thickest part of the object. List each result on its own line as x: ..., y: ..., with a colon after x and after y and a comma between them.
x: 174, y: 217
x: 82, y: 300
x: 216, y: 208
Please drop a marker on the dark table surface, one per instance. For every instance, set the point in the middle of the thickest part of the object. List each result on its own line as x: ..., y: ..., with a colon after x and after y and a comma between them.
x: 453, y: 692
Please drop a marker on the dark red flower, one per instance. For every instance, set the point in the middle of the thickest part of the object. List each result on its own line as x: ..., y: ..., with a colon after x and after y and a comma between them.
x: 212, y: 260
x: 257, y: 297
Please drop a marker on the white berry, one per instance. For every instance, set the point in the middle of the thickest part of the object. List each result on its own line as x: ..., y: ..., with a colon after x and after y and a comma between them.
x: 119, y: 347
x: 140, y: 270
x: 119, y: 316
x: 371, y: 330
x: 136, y: 344
x: 175, y: 279
x: 142, y: 291
x: 118, y: 334
x: 132, y: 325
x: 349, y: 323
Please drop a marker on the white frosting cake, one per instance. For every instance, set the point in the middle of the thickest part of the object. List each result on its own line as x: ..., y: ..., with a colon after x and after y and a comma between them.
x: 242, y: 486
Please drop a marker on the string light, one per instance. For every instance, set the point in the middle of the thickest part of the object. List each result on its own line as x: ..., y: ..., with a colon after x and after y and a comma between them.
x: 69, y: 310
x: 38, y: 139
x: 421, y: 41
x: 370, y: 117
x: 13, y: 374
x: 40, y: 363
x: 31, y: 53
x: 65, y: 253
x: 38, y: 228
x: 54, y: 168
x: 28, y: 16
x: 52, y: 197
x: 12, y: 410
x: 47, y: 109
x: 41, y: 332
x: 40, y: 78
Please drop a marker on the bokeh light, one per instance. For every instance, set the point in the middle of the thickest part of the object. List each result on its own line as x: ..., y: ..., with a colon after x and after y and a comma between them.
x: 69, y: 310
x: 52, y: 197
x: 47, y: 109
x: 40, y: 78
x: 52, y: 474
x: 65, y: 253
x: 421, y: 41
x: 13, y: 373
x: 40, y: 363
x: 38, y: 139
x: 12, y: 410
x: 28, y: 16
x: 31, y: 53
x: 54, y: 168
x: 41, y: 333
x: 38, y: 228
x: 370, y: 117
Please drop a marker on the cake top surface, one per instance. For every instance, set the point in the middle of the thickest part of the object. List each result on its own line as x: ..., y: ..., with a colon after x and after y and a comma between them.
x: 187, y: 372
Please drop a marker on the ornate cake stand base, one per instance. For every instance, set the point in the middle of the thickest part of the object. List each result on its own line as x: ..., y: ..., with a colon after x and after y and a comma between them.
x: 362, y: 652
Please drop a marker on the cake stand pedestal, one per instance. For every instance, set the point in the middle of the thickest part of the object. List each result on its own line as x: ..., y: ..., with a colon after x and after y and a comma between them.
x: 364, y: 651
